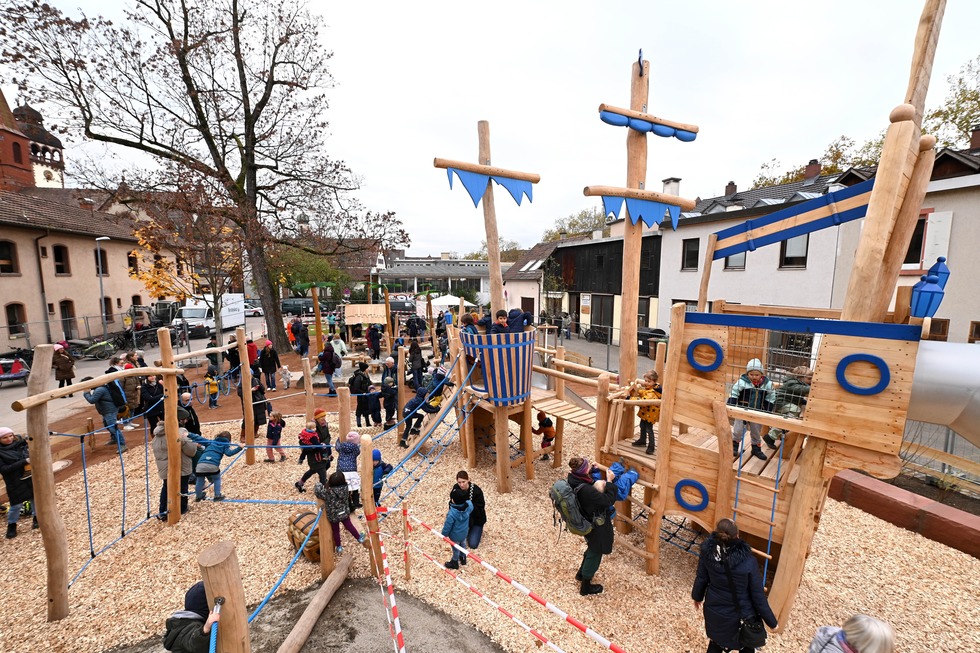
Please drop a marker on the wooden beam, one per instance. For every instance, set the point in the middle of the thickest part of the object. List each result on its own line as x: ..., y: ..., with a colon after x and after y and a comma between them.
x: 630, y: 113
x: 172, y: 433
x: 248, y: 414
x: 706, y: 273
x: 370, y: 510
x: 222, y: 577
x: 723, y: 432
x: 308, y: 389
x: 926, y: 38
x: 301, y: 632
x: 601, y: 414
x: 637, y: 194
x: 490, y: 222
x: 486, y: 169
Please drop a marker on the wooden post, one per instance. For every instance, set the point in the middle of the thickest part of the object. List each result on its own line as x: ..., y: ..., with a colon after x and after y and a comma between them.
x: 54, y: 537
x: 308, y: 389
x: 658, y: 365
x: 723, y: 431
x: 402, y: 399
x: 318, y: 325
x: 636, y: 172
x: 490, y: 222
x: 389, y: 331
x: 325, y: 533
x: 428, y: 318
x: 456, y: 355
x: 171, y: 427
x: 666, y: 431
x: 501, y: 427
x: 247, y: 414
x: 370, y: 510
x: 560, y: 421
x: 709, y: 256
x: 527, y: 439
x: 297, y: 637
x: 222, y: 577
x: 343, y: 412
x: 406, y: 535
x: 601, y: 413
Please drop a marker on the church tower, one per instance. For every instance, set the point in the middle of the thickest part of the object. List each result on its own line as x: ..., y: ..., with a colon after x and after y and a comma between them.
x: 15, y: 165
x: 46, y: 149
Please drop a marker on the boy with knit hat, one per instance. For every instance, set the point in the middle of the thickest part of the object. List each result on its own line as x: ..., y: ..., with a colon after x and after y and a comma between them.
x: 546, y: 430
x: 457, y: 523
x: 189, y: 630
x: 380, y: 470
x: 752, y: 390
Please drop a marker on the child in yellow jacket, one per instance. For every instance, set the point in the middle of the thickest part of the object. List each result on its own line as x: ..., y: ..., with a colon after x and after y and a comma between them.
x: 211, y: 385
x: 649, y: 415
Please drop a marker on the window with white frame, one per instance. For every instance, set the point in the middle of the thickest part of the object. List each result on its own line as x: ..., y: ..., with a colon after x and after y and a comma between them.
x: 792, y: 252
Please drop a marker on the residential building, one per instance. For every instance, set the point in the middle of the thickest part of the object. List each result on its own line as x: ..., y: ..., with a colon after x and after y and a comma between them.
x: 534, y: 282
x: 442, y: 274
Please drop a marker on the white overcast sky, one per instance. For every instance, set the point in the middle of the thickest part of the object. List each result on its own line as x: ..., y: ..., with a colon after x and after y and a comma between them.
x: 762, y: 79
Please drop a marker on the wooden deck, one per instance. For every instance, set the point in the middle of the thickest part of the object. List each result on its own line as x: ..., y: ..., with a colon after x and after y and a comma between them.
x: 546, y: 401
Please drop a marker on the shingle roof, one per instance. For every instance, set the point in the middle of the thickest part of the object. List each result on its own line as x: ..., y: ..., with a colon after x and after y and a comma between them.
x: 817, y: 185
x: 528, y: 267
x: 29, y: 212
x: 31, y: 124
x: 436, y: 268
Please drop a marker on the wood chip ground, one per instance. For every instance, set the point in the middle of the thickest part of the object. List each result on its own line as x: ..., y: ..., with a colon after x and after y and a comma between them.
x: 858, y: 563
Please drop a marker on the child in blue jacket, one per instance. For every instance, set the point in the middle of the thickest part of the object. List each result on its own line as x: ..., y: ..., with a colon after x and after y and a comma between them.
x: 752, y: 390
x: 457, y: 524
x: 413, y: 417
x: 209, y: 464
x: 380, y: 470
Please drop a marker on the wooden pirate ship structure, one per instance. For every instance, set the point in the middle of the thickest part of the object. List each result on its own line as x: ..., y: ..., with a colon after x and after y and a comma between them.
x: 862, y: 366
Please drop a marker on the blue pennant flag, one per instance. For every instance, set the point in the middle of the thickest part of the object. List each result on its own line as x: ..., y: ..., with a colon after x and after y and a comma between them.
x: 516, y: 187
x: 650, y: 212
x: 612, y: 205
x: 474, y: 183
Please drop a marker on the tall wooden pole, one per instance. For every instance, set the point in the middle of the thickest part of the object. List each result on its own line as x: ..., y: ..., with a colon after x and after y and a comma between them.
x: 636, y: 172
x: 223, y: 577
x: 389, y: 330
x: 490, y: 221
x: 171, y: 428
x: 343, y: 413
x: 318, y: 326
x: 247, y: 412
x: 54, y: 537
x: 308, y: 389
x: 370, y: 510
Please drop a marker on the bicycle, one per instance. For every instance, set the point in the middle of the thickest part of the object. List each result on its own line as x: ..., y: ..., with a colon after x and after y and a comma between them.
x: 596, y: 334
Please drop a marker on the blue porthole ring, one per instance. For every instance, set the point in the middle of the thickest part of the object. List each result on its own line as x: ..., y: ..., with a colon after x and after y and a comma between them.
x: 694, y: 485
x: 710, y: 367
x: 865, y: 358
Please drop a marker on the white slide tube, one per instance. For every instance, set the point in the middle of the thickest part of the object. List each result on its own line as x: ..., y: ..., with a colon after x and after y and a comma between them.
x: 946, y: 387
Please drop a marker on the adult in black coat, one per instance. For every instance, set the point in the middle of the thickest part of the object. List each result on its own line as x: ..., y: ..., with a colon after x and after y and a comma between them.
x: 711, y: 589
x: 595, y: 498
x: 193, y: 422
x: 13, y: 459
x: 234, y: 360
x: 478, y: 518
x: 151, y: 401
x: 269, y: 364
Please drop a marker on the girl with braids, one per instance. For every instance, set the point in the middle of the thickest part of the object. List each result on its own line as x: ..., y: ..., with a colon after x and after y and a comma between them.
x: 729, y: 588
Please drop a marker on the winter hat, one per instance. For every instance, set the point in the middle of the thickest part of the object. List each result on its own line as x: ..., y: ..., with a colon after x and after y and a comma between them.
x: 182, y: 414
x: 58, y: 347
x: 319, y: 412
x: 458, y: 495
x: 389, y: 381
x: 196, y: 600
x: 376, y: 454
x: 5, y: 431
x: 541, y: 416
x: 354, y: 436
x: 362, y: 366
x: 754, y: 365
x: 583, y: 469
x: 268, y: 343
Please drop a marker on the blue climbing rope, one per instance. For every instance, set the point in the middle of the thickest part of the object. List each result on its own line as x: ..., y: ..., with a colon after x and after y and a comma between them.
x: 299, y: 552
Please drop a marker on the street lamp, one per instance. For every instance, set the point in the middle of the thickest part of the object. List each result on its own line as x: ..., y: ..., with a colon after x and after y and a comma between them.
x: 100, y: 269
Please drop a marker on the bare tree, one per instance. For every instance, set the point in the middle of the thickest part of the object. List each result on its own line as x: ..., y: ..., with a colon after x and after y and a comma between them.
x: 234, y: 91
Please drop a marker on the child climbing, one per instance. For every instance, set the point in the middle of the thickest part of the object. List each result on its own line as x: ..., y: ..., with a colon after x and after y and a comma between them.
x: 335, y: 499
x: 209, y: 465
x: 790, y: 400
x: 211, y: 385
x: 754, y: 391
x: 546, y: 430
x: 380, y: 470
x: 347, y: 453
x: 315, y: 452
x: 414, y: 413
x: 649, y: 415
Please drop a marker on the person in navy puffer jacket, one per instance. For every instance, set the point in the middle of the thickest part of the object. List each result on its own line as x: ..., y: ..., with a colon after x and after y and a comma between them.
x: 413, y: 418
x: 457, y: 523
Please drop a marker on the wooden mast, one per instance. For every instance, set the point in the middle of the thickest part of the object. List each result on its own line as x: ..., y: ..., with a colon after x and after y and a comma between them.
x: 490, y: 222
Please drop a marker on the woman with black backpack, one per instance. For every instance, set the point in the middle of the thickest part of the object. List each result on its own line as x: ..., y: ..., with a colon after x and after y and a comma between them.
x: 360, y: 384
x: 729, y: 587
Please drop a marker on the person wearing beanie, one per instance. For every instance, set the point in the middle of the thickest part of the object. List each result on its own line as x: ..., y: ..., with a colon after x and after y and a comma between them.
x: 315, y: 451
x: 64, y: 366
x: 188, y: 449
x: 14, y: 467
x: 347, y: 453
x: 595, y: 499
x: 336, y: 502
x: 189, y: 630
x: 754, y: 391
x: 360, y: 386
x: 380, y: 471
x: 209, y: 465
x: 546, y: 429
x: 457, y: 523
x: 269, y: 364
x: 389, y: 400
x: 478, y: 518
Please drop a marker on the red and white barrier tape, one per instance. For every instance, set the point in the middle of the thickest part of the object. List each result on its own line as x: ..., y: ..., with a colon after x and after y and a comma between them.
x: 544, y: 640
x: 616, y: 648
x: 398, y: 636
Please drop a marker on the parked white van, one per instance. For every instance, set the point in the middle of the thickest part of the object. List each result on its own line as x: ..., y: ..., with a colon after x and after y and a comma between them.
x: 198, y: 313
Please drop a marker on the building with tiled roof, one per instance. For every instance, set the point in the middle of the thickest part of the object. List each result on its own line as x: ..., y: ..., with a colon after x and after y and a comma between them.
x: 442, y: 274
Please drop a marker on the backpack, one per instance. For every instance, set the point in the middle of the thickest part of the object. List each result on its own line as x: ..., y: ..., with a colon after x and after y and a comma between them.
x: 338, y: 362
x: 118, y: 397
x: 567, y: 508
x: 358, y: 383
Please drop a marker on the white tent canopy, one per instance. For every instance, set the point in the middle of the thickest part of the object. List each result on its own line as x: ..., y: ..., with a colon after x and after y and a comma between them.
x: 448, y: 301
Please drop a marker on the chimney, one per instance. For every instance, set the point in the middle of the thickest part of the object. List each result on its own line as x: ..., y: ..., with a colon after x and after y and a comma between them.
x: 812, y: 169
x: 975, y: 137
x: 672, y: 186
x: 731, y: 189
x: 86, y: 203
x: 562, y: 235
x: 597, y: 234
x: 445, y: 256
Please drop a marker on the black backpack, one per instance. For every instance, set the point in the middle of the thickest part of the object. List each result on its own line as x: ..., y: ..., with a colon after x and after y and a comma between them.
x: 118, y: 396
x: 359, y: 383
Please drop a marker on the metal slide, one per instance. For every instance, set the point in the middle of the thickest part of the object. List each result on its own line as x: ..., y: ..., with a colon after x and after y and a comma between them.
x: 946, y: 387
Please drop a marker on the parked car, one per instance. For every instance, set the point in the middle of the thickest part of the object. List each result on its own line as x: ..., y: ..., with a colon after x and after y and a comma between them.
x: 14, y: 369
x: 251, y: 310
x: 297, y: 306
